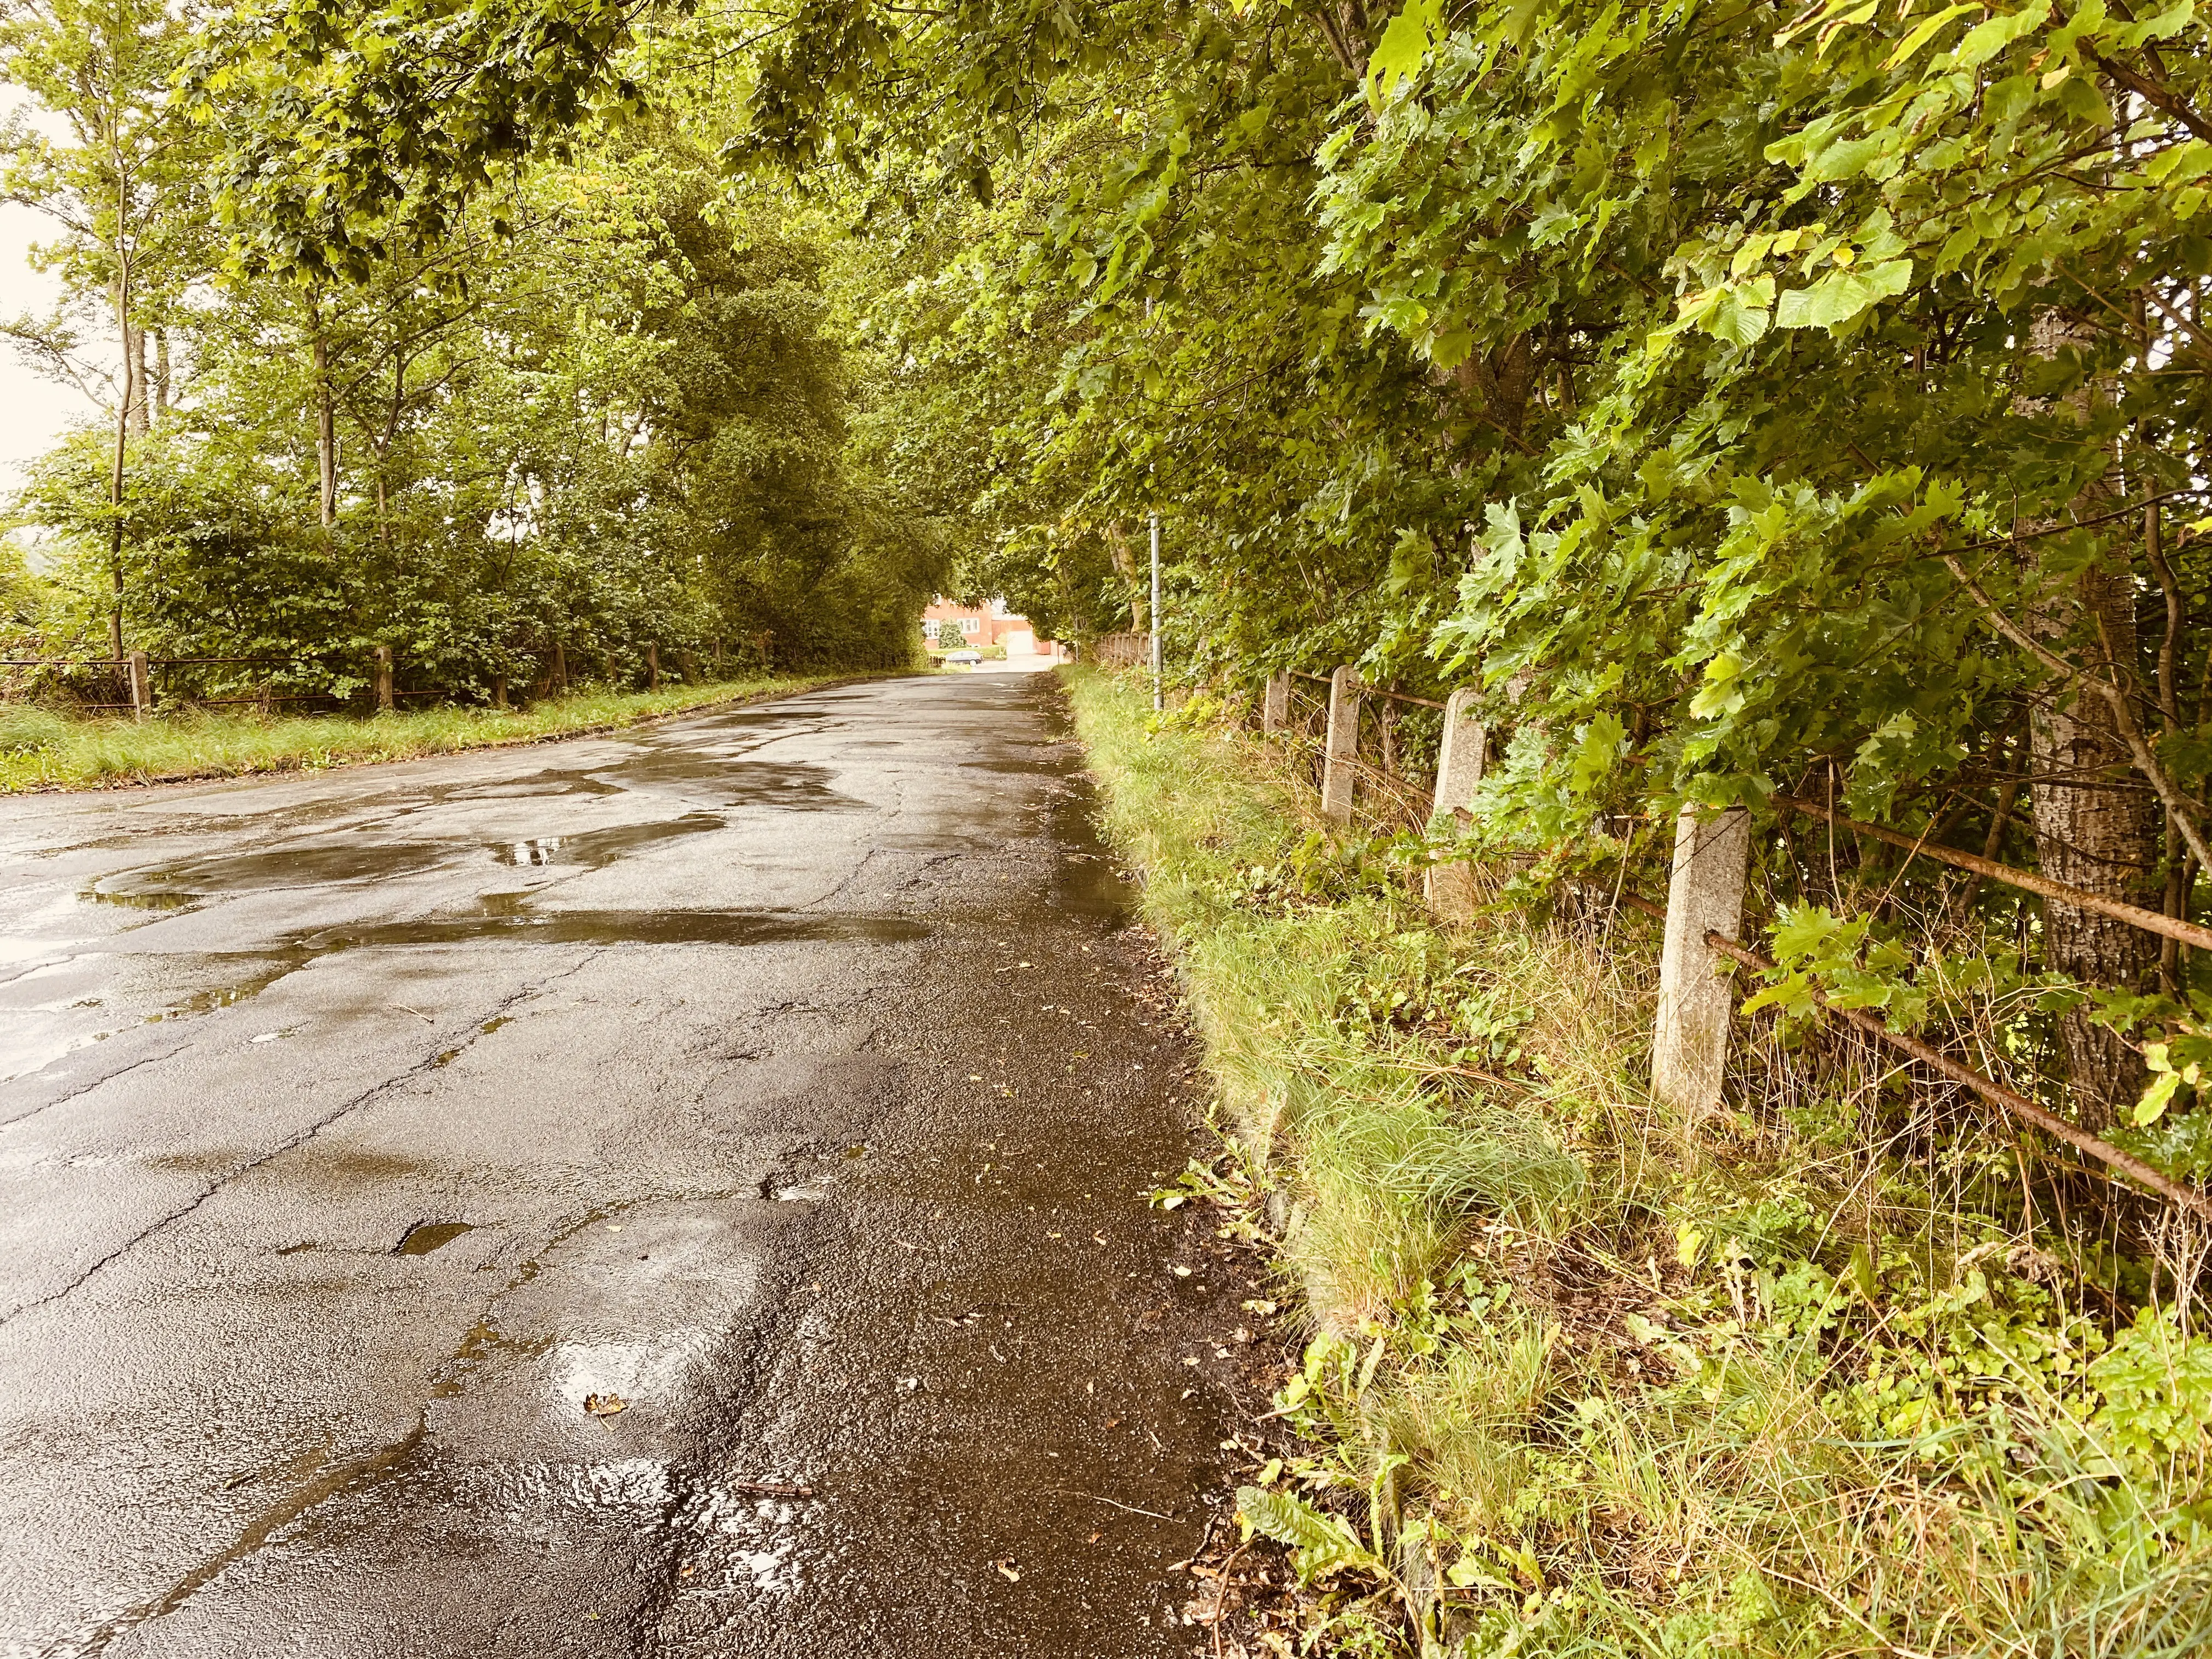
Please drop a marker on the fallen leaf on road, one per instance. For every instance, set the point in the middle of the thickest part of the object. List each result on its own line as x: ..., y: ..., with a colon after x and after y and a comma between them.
x: 1179, y: 1272
x: 1006, y: 1568
x: 1257, y: 1307
x: 605, y: 1405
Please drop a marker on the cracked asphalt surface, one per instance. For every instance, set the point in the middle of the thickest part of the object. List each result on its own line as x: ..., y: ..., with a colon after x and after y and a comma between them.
x: 788, y: 1074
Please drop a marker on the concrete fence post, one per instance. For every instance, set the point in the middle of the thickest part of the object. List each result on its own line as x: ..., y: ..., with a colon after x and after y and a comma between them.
x: 1689, y: 1054
x: 1449, y: 887
x: 1275, y: 711
x: 142, y: 685
x: 1336, y: 776
x: 652, y: 668
x: 384, y: 699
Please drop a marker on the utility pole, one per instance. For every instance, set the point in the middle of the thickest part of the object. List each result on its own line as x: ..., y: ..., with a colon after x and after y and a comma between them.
x: 1155, y: 613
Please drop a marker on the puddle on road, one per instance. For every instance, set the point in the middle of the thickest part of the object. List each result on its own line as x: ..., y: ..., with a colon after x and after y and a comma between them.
x: 340, y: 1164
x: 595, y: 849
x: 141, y: 900
x: 630, y: 927
x: 506, y: 916
x: 483, y: 1343
x: 427, y: 1235
x: 788, y: 786
x: 224, y: 996
x: 176, y: 886
x: 785, y: 1187
x: 1050, y: 768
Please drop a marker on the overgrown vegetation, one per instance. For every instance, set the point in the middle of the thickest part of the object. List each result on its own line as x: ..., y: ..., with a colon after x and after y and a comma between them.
x: 1805, y: 1379
x: 41, y: 750
x: 616, y: 409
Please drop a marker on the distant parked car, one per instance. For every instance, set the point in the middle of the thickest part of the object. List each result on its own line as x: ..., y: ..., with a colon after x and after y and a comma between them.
x: 965, y: 658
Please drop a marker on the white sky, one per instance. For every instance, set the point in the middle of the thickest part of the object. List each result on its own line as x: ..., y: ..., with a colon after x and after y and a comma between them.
x: 33, y: 410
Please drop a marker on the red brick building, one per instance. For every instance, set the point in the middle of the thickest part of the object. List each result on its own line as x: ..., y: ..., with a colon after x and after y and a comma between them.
x: 948, y: 626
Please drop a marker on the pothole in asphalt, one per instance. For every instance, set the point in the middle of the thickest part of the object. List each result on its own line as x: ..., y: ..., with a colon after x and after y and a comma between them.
x: 594, y: 849
x: 425, y: 1236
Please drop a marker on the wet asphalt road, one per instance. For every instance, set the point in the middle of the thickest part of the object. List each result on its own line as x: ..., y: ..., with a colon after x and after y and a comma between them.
x: 787, y: 1073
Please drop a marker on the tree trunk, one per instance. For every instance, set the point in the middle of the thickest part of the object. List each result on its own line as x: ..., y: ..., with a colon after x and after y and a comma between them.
x: 161, y: 373
x: 326, y: 431
x: 137, y: 381
x: 122, y: 292
x: 1125, y: 567
x: 2097, y: 825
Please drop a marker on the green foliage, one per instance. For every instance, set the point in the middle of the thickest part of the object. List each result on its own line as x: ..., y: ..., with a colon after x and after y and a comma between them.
x: 616, y: 410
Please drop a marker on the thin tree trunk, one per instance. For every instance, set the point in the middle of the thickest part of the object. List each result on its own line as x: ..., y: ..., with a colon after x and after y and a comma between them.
x: 1125, y: 567
x: 122, y: 434
x: 2097, y: 824
x: 326, y: 431
x: 137, y: 381
x: 161, y: 373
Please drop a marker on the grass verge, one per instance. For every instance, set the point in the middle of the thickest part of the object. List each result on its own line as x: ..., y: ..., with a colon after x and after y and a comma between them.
x: 1582, y: 1381
x: 41, y: 750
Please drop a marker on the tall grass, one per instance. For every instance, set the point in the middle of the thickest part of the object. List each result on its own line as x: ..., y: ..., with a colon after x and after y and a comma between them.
x: 43, y: 749
x: 1632, y: 1388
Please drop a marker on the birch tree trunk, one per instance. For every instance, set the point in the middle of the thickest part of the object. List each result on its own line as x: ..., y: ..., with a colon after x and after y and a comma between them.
x: 326, y: 430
